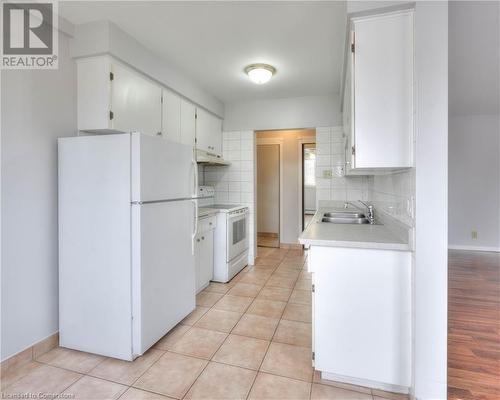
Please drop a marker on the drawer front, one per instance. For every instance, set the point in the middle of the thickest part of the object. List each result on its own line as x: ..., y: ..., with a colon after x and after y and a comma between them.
x: 206, y: 224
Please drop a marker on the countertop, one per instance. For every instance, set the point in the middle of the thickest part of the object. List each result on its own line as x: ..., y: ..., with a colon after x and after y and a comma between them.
x: 366, y: 236
x: 205, y: 212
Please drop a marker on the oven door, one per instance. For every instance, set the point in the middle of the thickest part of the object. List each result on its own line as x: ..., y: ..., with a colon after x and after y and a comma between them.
x: 237, y: 234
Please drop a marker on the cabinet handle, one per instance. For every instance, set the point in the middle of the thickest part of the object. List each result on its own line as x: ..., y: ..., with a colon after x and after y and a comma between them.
x: 203, y: 238
x: 158, y: 133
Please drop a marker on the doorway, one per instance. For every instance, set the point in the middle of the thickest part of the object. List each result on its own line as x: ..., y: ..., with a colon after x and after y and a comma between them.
x: 308, y: 183
x: 268, y: 195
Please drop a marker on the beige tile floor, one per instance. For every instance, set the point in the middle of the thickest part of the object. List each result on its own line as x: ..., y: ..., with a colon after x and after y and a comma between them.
x: 248, y: 339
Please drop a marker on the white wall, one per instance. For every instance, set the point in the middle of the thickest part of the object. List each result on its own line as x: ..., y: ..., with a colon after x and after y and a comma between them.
x: 268, y: 188
x: 431, y: 182
x: 37, y: 107
x: 104, y: 37
x: 288, y: 113
x: 474, y: 181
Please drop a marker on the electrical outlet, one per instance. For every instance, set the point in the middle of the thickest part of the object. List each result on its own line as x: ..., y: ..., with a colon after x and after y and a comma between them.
x: 327, y: 173
x: 474, y: 234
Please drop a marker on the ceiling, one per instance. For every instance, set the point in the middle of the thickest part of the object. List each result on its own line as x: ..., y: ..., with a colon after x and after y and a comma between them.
x: 212, y: 42
x: 474, y: 57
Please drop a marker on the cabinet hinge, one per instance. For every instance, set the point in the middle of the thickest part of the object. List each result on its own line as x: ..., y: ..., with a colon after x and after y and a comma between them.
x: 161, y: 99
x: 353, y: 47
x: 195, y: 115
x: 313, y: 288
x: 313, y: 355
x: 111, y: 76
x: 195, y: 140
x: 111, y: 115
x: 353, y: 150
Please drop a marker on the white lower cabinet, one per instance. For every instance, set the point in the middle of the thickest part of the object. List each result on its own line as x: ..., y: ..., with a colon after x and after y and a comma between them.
x: 362, y: 316
x: 204, y: 252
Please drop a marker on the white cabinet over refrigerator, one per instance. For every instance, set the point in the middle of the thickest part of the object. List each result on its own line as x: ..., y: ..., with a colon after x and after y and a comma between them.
x: 126, y: 228
x: 114, y: 98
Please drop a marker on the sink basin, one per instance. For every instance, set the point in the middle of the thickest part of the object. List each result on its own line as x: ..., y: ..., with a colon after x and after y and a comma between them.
x: 344, y: 214
x: 345, y: 220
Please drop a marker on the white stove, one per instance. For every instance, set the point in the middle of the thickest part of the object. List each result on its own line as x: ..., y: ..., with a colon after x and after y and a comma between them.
x: 231, y: 236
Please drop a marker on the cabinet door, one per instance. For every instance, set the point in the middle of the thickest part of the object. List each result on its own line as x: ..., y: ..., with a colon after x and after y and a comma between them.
x: 135, y: 102
x: 93, y: 93
x: 198, y: 257
x: 383, y: 90
x: 216, y: 136
x: 188, y: 122
x: 203, y: 131
x: 207, y: 266
x: 171, y: 116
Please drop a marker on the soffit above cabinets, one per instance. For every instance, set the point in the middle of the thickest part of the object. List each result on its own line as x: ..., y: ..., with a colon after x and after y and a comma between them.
x: 212, y: 42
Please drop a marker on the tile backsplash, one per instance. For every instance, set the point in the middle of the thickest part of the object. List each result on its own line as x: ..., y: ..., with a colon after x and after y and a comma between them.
x: 392, y: 192
x: 331, y: 184
x: 235, y: 184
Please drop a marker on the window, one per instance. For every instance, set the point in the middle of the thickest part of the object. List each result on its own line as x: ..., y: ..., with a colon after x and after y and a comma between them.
x: 310, y: 167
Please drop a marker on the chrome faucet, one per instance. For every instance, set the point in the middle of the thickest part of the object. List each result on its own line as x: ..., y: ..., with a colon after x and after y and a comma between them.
x: 371, y: 214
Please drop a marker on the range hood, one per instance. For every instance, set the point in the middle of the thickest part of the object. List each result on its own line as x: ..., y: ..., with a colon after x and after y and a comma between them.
x: 202, y: 157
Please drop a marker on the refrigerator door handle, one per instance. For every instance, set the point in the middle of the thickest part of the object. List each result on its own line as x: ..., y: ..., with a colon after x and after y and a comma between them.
x: 195, y: 225
x: 195, y: 178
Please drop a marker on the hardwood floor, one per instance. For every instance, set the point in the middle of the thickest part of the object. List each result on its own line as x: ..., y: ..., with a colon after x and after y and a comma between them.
x: 473, y: 325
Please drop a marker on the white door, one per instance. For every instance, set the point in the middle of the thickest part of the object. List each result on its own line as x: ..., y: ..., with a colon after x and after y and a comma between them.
x: 135, y: 102
x: 171, y: 116
x: 161, y: 169
x: 383, y: 90
x: 164, y: 275
x: 188, y: 122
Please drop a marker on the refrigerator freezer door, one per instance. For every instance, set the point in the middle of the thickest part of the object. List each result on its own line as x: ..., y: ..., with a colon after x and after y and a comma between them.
x: 163, y: 269
x: 161, y: 169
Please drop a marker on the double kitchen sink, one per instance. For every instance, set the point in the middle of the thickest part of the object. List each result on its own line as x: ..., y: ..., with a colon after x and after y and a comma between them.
x: 347, y: 217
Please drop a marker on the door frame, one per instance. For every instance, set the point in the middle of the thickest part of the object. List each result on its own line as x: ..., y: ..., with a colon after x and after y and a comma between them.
x: 301, y: 141
x: 279, y: 142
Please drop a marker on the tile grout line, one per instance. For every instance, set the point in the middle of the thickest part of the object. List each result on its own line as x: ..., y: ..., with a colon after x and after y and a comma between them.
x: 222, y: 343
x: 274, y: 333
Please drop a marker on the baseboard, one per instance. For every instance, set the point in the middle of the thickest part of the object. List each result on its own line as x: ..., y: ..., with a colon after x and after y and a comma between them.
x: 366, y: 383
x: 31, y: 353
x: 267, y: 234
x: 474, y: 248
x: 290, y: 246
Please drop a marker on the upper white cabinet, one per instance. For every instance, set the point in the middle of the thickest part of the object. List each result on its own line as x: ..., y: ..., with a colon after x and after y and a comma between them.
x: 171, y: 116
x: 113, y: 98
x: 188, y: 122
x: 378, y: 98
x: 208, y: 133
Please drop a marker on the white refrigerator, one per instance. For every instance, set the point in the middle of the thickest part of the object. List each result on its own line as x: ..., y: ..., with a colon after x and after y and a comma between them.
x: 127, y: 220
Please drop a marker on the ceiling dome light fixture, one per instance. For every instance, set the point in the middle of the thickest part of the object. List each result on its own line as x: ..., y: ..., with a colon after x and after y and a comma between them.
x: 260, y: 73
